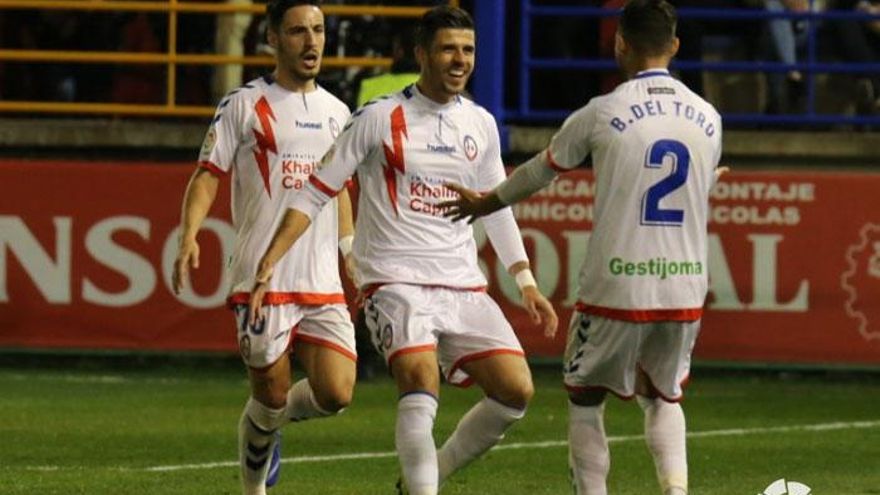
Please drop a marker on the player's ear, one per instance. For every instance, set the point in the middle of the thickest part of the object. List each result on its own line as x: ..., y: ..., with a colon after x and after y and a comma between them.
x: 272, y: 37
x: 673, y: 46
x: 421, y: 55
x: 620, y: 47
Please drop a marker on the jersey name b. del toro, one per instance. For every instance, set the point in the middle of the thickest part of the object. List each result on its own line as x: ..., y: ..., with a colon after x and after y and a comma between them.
x: 655, y: 146
x: 272, y: 140
x: 405, y: 147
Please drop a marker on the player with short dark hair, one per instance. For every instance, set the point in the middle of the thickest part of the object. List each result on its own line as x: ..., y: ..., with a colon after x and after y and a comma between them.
x: 426, y: 298
x: 270, y: 135
x: 655, y: 148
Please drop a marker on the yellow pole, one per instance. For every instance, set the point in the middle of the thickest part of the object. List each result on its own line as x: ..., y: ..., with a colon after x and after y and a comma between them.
x: 172, y: 52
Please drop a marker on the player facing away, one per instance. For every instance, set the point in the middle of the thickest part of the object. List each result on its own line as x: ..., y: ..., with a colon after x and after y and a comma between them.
x: 270, y: 135
x: 655, y: 148
x: 426, y: 300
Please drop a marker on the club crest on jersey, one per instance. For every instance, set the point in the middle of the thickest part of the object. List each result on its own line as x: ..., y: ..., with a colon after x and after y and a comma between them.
x: 209, y: 142
x: 470, y: 147
x: 333, y: 125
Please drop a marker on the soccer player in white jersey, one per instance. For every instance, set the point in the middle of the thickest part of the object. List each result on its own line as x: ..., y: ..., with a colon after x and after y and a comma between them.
x: 655, y: 148
x: 426, y: 299
x: 270, y: 135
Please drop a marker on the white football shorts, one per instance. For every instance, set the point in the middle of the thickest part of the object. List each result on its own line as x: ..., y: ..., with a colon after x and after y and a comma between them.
x: 460, y: 325
x: 328, y: 325
x: 605, y: 354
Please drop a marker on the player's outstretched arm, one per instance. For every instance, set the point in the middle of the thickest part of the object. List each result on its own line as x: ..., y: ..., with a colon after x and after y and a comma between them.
x: 197, y: 201
x: 470, y: 205
x: 291, y: 228
x: 537, y: 306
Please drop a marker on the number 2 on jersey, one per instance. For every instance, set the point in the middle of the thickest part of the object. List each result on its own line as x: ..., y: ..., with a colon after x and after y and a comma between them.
x: 652, y: 214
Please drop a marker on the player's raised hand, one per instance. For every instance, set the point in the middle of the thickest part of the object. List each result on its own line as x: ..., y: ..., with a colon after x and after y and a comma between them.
x: 187, y: 256
x: 540, y: 310
x: 470, y: 205
x: 258, y: 292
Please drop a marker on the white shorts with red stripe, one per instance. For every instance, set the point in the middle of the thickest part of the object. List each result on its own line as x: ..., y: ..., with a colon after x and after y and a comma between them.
x: 460, y: 325
x: 605, y: 354
x: 327, y: 325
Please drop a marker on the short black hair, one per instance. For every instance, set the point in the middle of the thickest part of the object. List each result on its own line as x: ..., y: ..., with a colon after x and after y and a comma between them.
x: 275, y: 10
x: 648, y: 25
x: 441, y: 17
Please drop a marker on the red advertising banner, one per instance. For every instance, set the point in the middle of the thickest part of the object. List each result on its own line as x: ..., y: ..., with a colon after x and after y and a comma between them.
x: 86, y: 252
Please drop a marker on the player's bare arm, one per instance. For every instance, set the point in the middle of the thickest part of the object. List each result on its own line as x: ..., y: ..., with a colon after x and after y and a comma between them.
x: 527, y: 179
x: 197, y: 201
x: 346, y: 234
x: 291, y: 228
x: 537, y: 306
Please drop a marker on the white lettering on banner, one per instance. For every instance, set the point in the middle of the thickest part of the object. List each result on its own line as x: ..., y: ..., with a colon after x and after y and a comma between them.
x: 565, y: 187
x: 52, y: 277
x: 754, y: 215
x: 138, y: 271
x: 804, y: 192
x: 226, y: 234
x: 721, y: 283
x: 764, y: 278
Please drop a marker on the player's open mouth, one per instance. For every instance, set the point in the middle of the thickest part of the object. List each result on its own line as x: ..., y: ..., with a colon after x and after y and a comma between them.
x: 310, y: 60
x: 457, y: 74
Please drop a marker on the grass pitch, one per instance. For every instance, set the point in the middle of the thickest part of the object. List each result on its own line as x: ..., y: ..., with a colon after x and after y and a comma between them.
x: 172, y: 431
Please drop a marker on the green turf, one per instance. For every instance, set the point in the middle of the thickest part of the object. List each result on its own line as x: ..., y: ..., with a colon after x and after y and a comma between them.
x: 106, y: 432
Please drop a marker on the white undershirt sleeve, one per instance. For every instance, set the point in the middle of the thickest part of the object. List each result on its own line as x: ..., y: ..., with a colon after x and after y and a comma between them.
x: 500, y: 226
x: 358, y: 138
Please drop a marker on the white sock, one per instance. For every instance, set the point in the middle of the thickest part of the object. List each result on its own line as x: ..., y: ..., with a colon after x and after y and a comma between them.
x: 665, y: 435
x: 588, y: 455
x: 256, y: 439
x: 415, y: 442
x: 301, y: 403
x: 477, y: 431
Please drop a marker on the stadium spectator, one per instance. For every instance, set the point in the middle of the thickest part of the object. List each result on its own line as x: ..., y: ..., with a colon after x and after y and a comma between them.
x: 693, y: 32
x: 859, y: 42
x: 404, y: 68
x: 426, y: 299
x: 786, y: 91
x: 138, y: 83
x: 644, y: 282
x: 270, y: 134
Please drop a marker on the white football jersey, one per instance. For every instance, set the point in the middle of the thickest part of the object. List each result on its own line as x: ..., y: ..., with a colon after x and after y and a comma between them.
x: 405, y: 147
x: 655, y: 146
x: 272, y: 140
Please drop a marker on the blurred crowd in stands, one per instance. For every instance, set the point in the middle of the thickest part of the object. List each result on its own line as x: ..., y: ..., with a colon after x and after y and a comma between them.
x: 773, y: 40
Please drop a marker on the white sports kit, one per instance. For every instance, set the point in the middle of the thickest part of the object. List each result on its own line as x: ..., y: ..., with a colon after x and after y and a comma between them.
x: 420, y: 270
x: 272, y: 140
x: 655, y: 146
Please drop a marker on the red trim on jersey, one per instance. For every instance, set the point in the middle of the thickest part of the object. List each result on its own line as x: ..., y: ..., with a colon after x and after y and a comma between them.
x: 311, y: 339
x: 265, y: 140
x: 214, y: 169
x: 641, y: 315
x: 372, y: 288
x: 349, y: 183
x: 324, y: 188
x: 555, y: 166
x: 276, y: 298
x: 410, y: 350
x: 394, y: 159
x: 467, y: 382
x: 578, y: 389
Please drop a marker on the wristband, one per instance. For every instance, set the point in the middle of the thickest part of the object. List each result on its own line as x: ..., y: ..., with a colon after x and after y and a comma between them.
x: 345, y: 245
x: 524, y: 278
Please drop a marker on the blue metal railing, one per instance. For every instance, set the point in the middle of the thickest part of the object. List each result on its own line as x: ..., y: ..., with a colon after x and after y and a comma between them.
x: 488, y: 82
